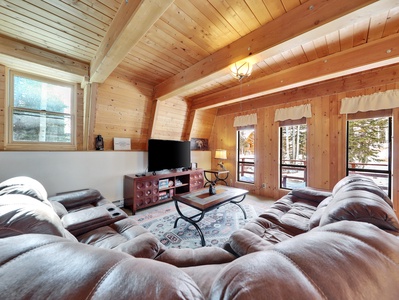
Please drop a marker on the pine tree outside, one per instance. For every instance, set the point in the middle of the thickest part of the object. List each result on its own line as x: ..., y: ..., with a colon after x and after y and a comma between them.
x: 293, y: 156
x: 369, y: 150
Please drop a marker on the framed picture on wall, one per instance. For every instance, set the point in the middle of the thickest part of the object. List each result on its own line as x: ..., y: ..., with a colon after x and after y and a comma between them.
x: 122, y: 143
x: 199, y: 144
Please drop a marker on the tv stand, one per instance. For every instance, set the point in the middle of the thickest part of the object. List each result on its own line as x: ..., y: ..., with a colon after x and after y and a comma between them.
x: 145, y: 191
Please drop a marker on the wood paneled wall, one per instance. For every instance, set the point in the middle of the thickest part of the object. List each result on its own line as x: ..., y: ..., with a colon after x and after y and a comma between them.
x: 170, y: 119
x: 326, y: 143
x: 2, y: 104
x: 123, y: 109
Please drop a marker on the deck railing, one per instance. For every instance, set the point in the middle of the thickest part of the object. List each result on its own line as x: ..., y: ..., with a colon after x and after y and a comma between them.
x: 295, y: 170
x: 246, y: 169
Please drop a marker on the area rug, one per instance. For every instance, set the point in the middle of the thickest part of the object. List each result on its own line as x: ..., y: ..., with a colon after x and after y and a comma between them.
x: 217, y: 226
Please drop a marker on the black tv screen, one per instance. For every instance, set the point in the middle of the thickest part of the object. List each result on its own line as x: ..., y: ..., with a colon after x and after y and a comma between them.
x: 168, y: 154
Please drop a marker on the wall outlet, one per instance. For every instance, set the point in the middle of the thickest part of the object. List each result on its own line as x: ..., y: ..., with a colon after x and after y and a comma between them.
x: 263, y: 185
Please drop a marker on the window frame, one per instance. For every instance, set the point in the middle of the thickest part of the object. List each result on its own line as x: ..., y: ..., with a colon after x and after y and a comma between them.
x: 9, y: 144
x: 373, y: 115
x: 287, y: 123
x: 238, y: 163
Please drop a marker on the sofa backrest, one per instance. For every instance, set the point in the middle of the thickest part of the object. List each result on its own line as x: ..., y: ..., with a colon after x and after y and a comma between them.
x: 24, y: 208
x: 38, y: 266
x: 358, y: 198
x: 21, y: 214
x: 343, y: 260
x: 24, y: 185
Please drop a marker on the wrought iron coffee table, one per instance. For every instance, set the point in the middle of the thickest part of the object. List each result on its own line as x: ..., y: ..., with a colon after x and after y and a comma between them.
x: 204, y: 202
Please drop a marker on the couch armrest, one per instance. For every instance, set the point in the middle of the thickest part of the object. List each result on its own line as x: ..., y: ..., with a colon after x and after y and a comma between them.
x: 83, y: 221
x: 75, y: 199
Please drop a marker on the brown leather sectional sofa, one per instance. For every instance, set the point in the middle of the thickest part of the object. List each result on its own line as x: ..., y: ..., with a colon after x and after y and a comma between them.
x: 309, y: 245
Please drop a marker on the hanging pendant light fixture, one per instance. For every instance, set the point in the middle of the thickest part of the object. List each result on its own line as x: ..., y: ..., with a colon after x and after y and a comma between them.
x: 241, y: 70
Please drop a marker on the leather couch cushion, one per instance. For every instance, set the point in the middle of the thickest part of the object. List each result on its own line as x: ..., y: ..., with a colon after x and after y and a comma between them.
x: 316, y: 217
x: 359, y: 182
x: 21, y: 214
x: 59, y: 209
x: 366, y: 185
x: 361, y: 205
x: 257, y: 235
x: 38, y: 266
x: 187, y: 257
x: 343, y: 260
x: 125, y: 236
x: 294, y: 210
x: 287, y: 217
x: 78, y: 199
x: 25, y: 186
x: 79, y: 222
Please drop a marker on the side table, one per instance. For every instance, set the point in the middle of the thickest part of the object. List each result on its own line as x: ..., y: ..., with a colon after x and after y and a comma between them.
x: 217, y: 174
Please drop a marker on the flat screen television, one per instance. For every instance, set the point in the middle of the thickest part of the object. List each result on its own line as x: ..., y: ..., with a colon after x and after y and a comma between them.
x: 168, y: 154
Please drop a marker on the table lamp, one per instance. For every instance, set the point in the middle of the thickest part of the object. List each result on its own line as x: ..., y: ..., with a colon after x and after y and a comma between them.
x: 221, y: 154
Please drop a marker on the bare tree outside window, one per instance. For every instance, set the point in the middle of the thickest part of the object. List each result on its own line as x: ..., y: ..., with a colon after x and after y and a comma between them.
x: 293, y: 156
x: 246, y: 155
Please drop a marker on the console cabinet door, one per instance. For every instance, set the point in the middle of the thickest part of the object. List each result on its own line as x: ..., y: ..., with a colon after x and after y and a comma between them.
x: 144, y: 191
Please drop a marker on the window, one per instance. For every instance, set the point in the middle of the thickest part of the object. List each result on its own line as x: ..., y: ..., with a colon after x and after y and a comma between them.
x: 369, y: 150
x: 293, y: 155
x: 246, y: 154
x: 41, y: 113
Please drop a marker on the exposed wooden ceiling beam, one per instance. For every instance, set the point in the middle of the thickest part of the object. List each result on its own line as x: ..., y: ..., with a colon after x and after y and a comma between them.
x: 380, y: 76
x: 132, y: 21
x: 368, y: 56
x: 311, y: 20
x: 28, y: 57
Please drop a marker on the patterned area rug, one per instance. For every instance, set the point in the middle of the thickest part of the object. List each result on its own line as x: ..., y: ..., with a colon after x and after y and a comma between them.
x: 217, y: 225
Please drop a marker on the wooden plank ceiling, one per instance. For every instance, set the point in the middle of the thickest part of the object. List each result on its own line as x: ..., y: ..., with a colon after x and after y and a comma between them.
x: 184, y: 48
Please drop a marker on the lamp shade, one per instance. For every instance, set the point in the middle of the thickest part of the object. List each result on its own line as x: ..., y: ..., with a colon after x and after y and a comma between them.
x: 220, y: 154
x: 241, y: 70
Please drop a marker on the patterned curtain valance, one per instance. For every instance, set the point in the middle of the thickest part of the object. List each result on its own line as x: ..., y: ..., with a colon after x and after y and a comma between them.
x: 293, y: 113
x: 246, y: 120
x: 377, y: 101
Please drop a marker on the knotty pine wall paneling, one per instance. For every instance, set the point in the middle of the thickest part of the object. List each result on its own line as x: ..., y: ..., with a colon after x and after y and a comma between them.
x: 170, y: 119
x: 202, y: 124
x: 337, y: 138
x: 326, y: 143
x: 318, y: 147
x: 223, y: 137
x: 267, y: 142
x: 395, y: 159
x: 2, y: 105
x: 123, y: 109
